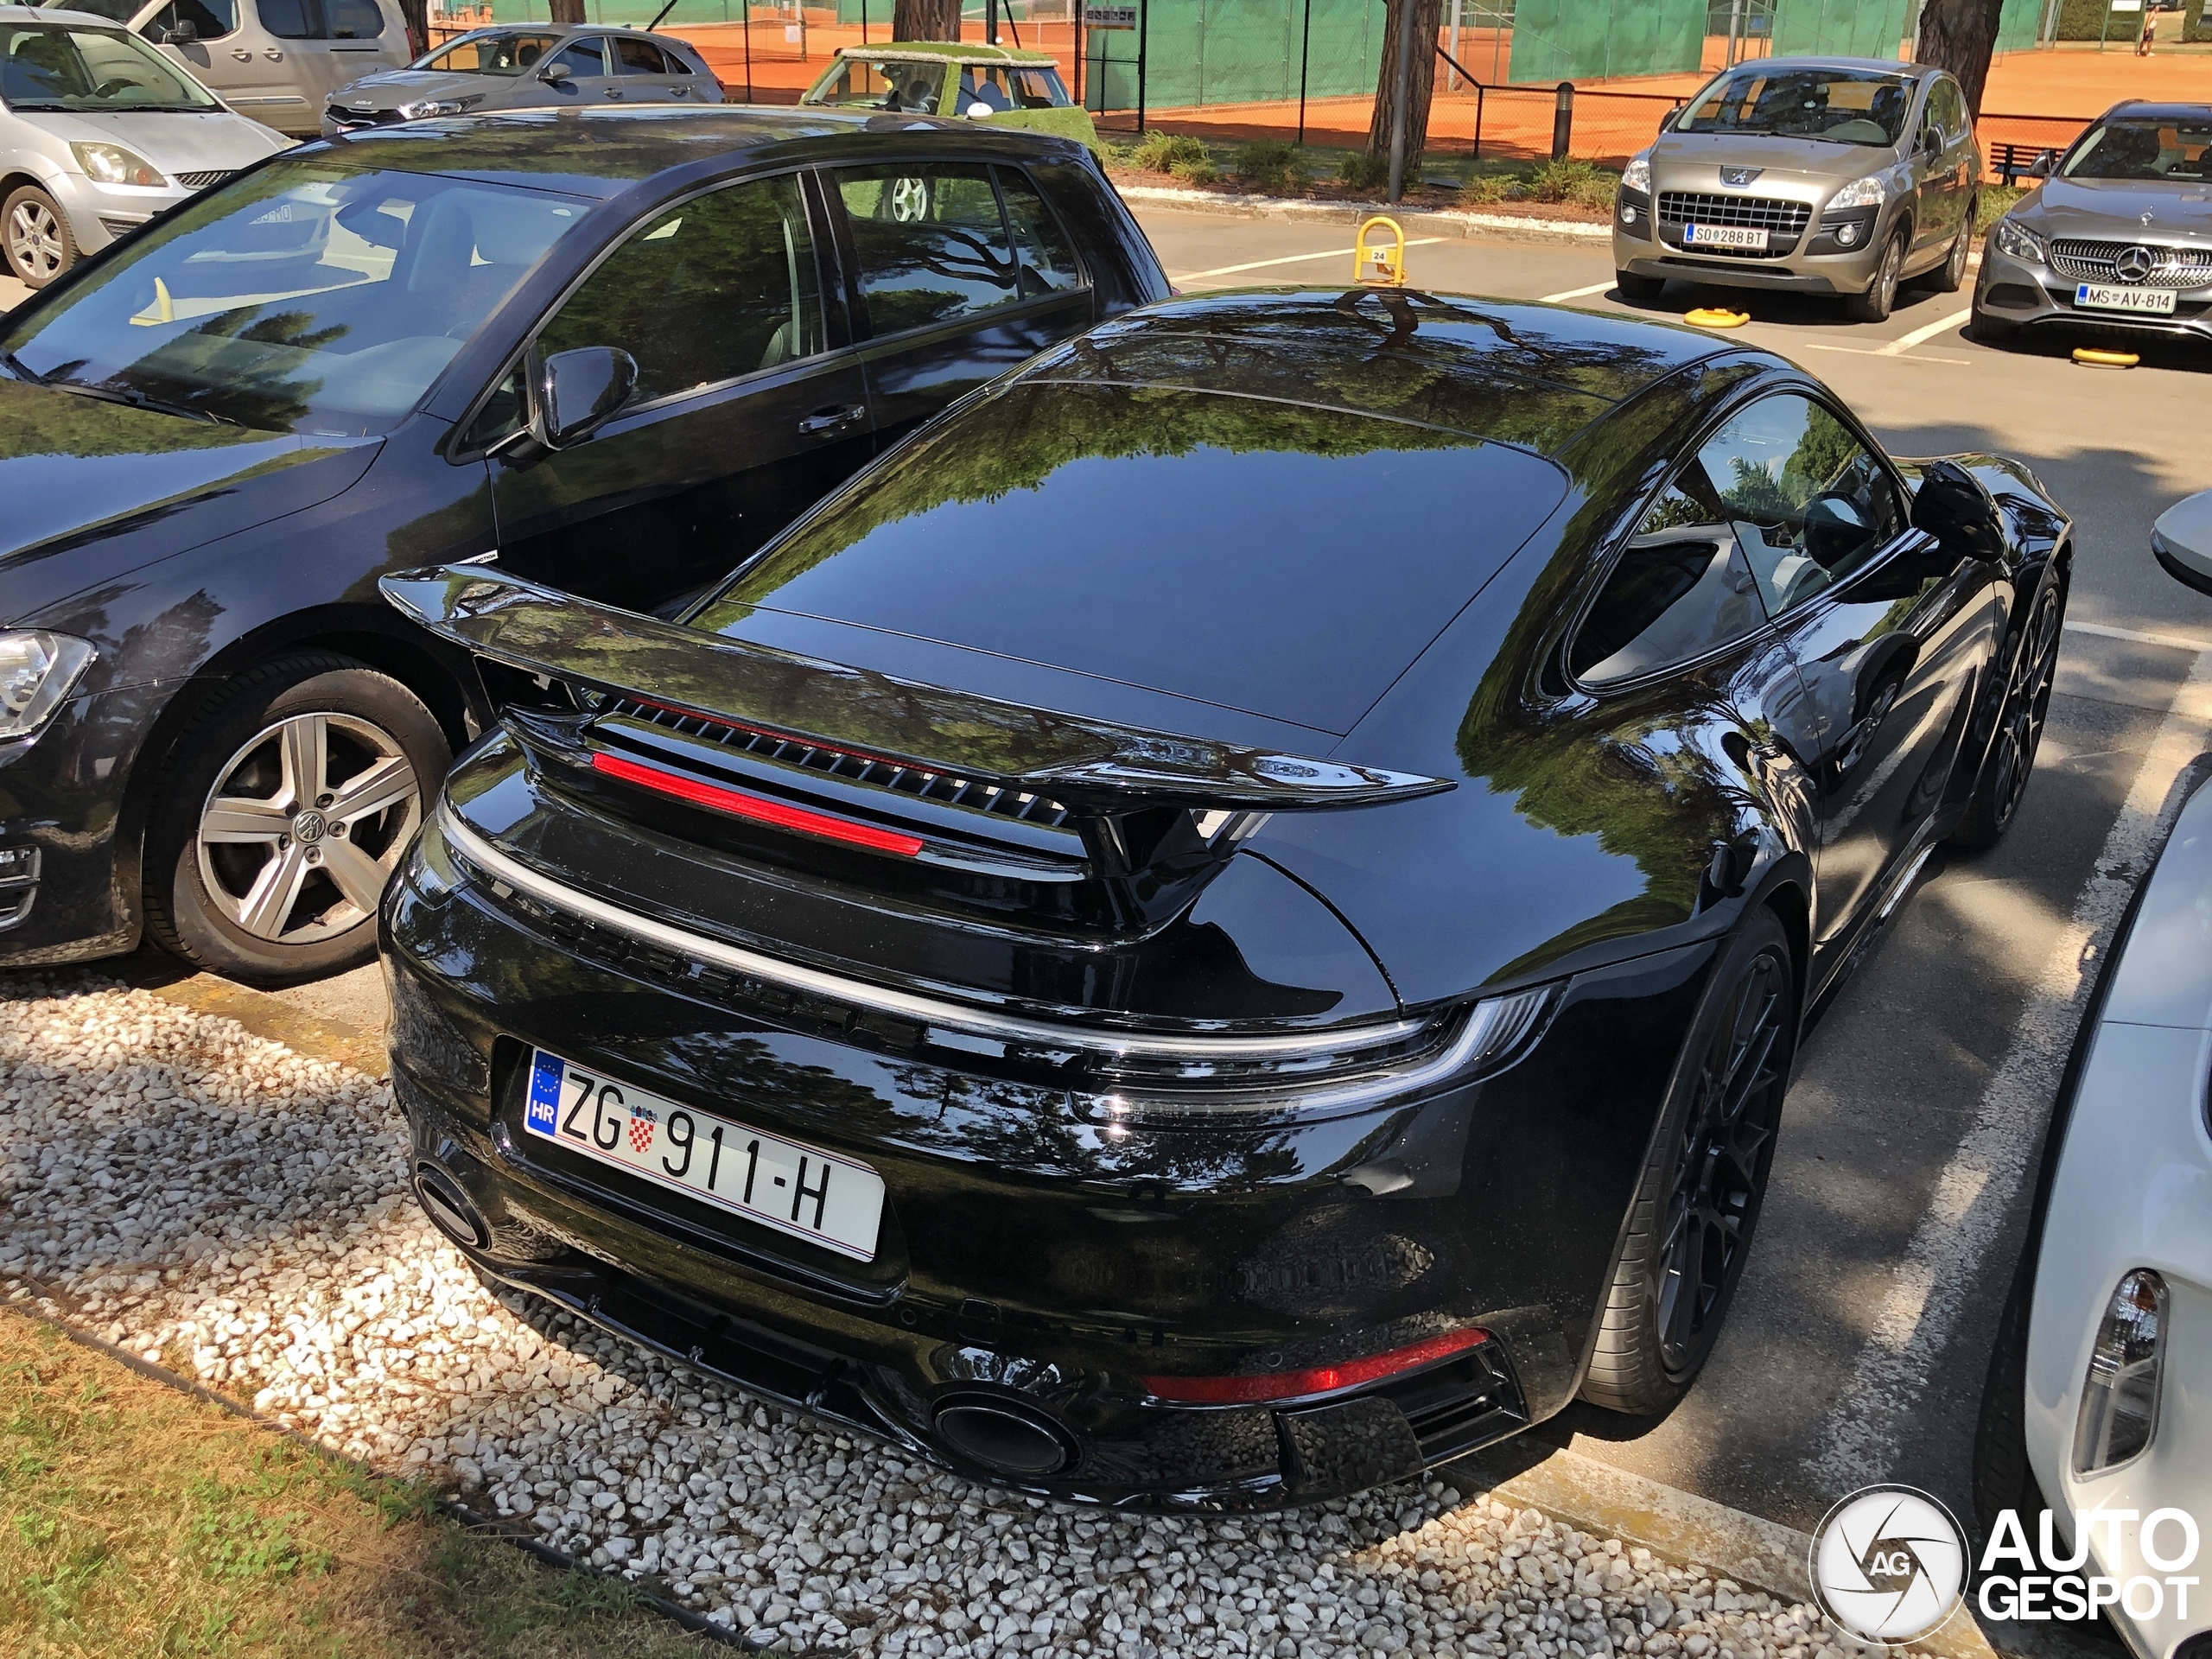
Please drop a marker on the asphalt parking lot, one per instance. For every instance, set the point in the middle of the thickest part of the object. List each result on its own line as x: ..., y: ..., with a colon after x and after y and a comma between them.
x: 1856, y: 1349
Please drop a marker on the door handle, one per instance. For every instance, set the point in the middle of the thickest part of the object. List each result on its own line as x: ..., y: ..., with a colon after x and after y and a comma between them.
x: 274, y: 55
x: 830, y: 420
x: 242, y: 54
x: 615, y: 91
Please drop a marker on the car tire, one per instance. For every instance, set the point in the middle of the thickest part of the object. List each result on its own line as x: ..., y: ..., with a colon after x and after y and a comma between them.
x: 1698, y: 1201
x: 2003, y: 1476
x: 1638, y: 290
x: 1951, y: 276
x: 2005, y: 770
x: 34, y: 233
x: 1992, y: 331
x: 237, y: 881
x: 1881, y: 295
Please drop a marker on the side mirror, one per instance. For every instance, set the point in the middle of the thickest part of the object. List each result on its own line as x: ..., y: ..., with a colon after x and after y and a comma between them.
x: 1667, y: 119
x: 554, y: 73
x: 2182, y: 540
x: 1953, y: 506
x: 578, y: 392
x: 184, y: 33
x: 2043, y: 166
x: 1931, y: 142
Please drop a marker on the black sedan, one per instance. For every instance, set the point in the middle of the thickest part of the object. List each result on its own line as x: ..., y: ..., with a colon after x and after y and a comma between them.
x: 1233, y: 920
x: 613, y: 350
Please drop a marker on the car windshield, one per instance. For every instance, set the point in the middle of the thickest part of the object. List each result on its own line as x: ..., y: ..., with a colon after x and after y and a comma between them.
x: 52, y: 66
x: 910, y: 87
x: 303, y: 297
x: 1010, y: 86
x: 1848, y: 106
x: 2145, y: 149
x: 490, y: 54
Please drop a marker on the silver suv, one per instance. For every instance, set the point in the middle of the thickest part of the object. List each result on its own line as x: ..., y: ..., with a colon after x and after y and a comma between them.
x: 1813, y: 176
x: 277, y: 60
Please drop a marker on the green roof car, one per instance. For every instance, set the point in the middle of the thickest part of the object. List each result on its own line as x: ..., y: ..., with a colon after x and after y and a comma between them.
x: 1004, y: 85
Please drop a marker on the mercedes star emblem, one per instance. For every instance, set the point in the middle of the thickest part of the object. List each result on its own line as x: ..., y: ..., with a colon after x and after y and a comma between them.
x: 2133, y: 264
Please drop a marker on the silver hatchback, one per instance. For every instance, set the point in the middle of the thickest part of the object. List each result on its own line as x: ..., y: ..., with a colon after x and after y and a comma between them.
x: 1845, y: 176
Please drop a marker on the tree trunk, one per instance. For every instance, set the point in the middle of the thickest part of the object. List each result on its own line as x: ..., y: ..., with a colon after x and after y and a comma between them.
x: 1428, y: 16
x: 417, y: 16
x: 1959, y: 35
x: 925, y: 20
x: 566, y: 11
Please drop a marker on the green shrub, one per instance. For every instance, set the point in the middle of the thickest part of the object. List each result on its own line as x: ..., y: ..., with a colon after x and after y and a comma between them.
x: 1160, y: 152
x: 1559, y: 180
x: 1202, y: 171
x: 1366, y: 170
x: 1277, y: 169
x: 1488, y: 188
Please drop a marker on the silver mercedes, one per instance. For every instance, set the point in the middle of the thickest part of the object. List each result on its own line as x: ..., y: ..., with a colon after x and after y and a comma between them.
x: 2119, y: 236
x: 1844, y: 176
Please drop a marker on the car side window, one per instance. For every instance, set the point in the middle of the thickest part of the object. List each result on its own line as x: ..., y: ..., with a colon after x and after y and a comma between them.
x: 720, y: 286
x: 213, y: 19
x: 931, y: 245
x: 583, y: 59
x: 1048, y: 263
x: 353, y: 20
x: 633, y: 57
x: 288, y: 20
x: 1681, y: 587
x: 1807, y: 503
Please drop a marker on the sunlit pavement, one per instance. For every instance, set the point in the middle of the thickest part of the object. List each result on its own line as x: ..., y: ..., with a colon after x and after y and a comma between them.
x: 1856, y: 1350
x: 11, y: 293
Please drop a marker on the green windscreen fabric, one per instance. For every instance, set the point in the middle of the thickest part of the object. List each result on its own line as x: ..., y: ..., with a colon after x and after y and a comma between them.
x: 1587, y: 39
x: 1839, y: 29
x: 1236, y: 52
x: 2018, y: 24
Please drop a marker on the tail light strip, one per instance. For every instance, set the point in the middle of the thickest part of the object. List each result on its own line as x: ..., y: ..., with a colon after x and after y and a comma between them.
x: 740, y: 804
x: 1271, y: 1387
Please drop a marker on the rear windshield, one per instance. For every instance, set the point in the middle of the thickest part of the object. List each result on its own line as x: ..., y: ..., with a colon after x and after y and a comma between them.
x: 47, y: 67
x: 2144, y: 150
x: 490, y: 54
x: 911, y: 88
x: 1844, y: 106
x: 1267, y: 557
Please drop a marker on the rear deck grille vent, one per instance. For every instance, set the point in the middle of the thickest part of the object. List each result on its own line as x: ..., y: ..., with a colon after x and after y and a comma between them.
x: 946, y: 788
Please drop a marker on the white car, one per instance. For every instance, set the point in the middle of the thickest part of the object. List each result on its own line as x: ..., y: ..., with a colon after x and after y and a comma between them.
x: 2099, y: 1401
x: 98, y: 133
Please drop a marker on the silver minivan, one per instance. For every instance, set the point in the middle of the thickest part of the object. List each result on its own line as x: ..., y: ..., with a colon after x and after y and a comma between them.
x: 277, y: 60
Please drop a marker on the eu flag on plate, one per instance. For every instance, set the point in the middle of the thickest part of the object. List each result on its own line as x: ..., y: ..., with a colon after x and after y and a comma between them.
x: 544, y: 1094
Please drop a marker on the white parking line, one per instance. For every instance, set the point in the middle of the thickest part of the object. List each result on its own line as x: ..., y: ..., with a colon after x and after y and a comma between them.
x: 1294, y: 259
x: 2106, y: 631
x: 1576, y: 293
x: 1967, y: 1210
x: 1899, y: 346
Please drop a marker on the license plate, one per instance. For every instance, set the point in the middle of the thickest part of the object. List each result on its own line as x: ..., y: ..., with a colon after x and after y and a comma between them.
x: 799, y: 1190
x: 1724, y: 236
x: 2102, y: 297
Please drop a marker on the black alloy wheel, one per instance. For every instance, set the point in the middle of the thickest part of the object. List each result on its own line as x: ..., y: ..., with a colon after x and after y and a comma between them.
x: 1704, y: 1180
x: 2011, y: 759
x: 1881, y: 295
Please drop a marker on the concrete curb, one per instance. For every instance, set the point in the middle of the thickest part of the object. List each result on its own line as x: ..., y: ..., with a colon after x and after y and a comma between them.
x: 1680, y: 1526
x: 1293, y: 210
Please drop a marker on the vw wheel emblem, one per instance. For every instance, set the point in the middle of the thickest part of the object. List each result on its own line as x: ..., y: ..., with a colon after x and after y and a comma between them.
x: 2134, y: 263
x: 1888, y: 1564
x: 1737, y: 177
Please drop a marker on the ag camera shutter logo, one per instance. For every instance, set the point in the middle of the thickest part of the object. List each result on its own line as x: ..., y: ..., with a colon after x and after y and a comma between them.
x: 1888, y: 1564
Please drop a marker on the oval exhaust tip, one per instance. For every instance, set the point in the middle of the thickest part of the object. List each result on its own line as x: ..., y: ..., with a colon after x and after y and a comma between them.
x: 1002, y: 1438
x: 449, y: 1209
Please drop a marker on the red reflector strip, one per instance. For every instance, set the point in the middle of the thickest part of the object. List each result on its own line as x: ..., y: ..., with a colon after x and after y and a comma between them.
x: 740, y: 804
x: 1320, y: 1379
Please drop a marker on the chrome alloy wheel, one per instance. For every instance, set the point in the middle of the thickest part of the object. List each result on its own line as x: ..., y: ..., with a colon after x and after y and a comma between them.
x: 1720, y: 1162
x: 909, y: 199
x: 304, y: 824
x: 34, y: 240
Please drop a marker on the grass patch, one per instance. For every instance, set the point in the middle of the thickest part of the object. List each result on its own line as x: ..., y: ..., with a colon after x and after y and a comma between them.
x: 136, y: 1521
x: 1284, y: 169
x: 1994, y: 202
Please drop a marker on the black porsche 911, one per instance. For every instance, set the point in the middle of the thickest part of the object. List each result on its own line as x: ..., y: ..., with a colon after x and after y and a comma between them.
x: 1231, y: 921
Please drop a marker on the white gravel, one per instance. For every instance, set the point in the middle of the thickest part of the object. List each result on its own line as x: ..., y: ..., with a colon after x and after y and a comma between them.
x: 218, y: 1202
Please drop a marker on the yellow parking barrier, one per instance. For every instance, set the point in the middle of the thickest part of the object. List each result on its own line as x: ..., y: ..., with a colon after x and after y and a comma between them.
x: 1711, y: 316
x: 2089, y: 358
x: 1383, y: 265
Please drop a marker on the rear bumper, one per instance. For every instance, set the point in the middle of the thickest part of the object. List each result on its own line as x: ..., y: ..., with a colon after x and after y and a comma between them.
x: 1030, y: 1259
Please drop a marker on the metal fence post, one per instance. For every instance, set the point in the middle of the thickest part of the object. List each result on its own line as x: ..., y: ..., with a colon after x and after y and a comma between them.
x: 1144, y: 29
x: 1304, y: 56
x: 1479, y: 121
x: 1563, y: 122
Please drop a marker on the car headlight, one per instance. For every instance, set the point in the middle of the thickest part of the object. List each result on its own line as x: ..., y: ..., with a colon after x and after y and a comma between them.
x: 1859, y: 193
x: 37, y: 670
x: 2119, y: 1397
x: 422, y: 107
x: 2016, y: 241
x: 1637, y: 175
x: 113, y: 164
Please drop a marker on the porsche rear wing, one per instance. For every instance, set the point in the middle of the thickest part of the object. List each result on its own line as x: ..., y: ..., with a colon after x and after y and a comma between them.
x: 1095, y: 767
